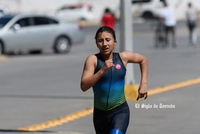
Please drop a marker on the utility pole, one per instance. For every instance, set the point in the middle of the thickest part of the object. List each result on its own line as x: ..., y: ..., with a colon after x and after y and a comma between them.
x: 127, y: 36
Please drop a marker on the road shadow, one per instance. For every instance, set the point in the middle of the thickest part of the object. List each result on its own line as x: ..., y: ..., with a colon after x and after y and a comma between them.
x: 45, y: 97
x: 20, y: 131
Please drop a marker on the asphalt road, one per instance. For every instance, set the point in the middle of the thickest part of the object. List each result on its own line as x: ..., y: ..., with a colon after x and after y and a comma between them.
x: 39, y: 88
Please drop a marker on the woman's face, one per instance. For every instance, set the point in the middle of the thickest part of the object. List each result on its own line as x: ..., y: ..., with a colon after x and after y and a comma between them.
x: 105, y: 42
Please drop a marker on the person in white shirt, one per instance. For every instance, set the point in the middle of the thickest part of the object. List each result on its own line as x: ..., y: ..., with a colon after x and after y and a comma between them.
x: 168, y: 17
x: 192, y: 17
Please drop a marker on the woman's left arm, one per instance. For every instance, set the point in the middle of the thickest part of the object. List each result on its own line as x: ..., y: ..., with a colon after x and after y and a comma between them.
x: 130, y: 57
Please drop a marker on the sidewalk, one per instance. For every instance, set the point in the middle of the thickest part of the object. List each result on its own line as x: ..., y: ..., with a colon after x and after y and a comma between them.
x: 141, y: 26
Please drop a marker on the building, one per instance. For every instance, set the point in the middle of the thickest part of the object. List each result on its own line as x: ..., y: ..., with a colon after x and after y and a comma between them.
x: 50, y: 6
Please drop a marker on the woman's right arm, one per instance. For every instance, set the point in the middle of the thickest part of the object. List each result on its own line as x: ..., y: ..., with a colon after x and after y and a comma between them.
x: 88, y: 77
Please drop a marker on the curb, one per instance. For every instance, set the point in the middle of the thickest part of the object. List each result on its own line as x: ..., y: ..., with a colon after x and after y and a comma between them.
x: 181, y: 30
x: 3, y: 57
x: 89, y: 23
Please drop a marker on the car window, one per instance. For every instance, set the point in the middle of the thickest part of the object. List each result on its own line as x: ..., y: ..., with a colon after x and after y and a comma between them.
x: 44, y: 21
x: 52, y: 21
x: 4, y: 21
x: 139, y: 1
x: 23, y: 22
x: 40, y: 21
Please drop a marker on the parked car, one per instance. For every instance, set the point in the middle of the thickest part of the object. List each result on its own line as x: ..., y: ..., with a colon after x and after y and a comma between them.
x: 76, y: 12
x: 150, y: 8
x: 35, y: 32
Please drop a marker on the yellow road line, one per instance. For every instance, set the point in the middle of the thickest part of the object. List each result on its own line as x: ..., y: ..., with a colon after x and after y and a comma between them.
x: 174, y: 86
x: 58, y: 121
x: 131, y: 92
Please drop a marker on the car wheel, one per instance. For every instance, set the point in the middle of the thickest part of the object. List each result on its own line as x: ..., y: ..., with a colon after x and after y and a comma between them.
x: 1, y: 48
x: 62, y: 45
x: 148, y: 15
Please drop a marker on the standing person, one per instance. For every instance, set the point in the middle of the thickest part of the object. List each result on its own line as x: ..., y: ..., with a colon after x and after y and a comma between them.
x: 108, y: 19
x: 105, y: 72
x: 192, y: 17
x: 168, y: 16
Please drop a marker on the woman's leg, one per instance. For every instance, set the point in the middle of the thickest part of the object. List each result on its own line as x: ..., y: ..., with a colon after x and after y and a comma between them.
x: 120, y: 120
x: 100, y: 121
x: 116, y: 131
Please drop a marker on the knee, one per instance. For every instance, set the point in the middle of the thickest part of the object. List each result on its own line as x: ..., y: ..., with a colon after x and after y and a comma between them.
x: 116, y: 131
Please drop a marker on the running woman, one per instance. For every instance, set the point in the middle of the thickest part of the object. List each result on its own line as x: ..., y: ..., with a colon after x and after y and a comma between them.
x: 105, y: 72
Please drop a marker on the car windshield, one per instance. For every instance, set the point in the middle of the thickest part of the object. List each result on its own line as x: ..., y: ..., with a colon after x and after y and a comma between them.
x: 4, y: 20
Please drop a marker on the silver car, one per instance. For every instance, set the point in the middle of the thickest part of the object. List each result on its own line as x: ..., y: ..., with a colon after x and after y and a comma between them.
x: 35, y: 32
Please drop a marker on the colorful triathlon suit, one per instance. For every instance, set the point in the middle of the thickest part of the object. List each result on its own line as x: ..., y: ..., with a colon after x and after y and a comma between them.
x: 111, y: 111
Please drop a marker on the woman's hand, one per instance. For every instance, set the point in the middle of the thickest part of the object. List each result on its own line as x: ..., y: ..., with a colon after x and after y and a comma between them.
x: 108, y: 64
x: 142, y: 92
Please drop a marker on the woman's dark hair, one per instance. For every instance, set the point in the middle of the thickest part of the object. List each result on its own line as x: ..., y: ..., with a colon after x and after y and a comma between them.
x: 107, y: 10
x: 105, y: 29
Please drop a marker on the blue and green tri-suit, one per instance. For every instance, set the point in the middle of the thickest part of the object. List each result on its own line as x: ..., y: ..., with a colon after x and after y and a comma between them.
x: 111, y: 110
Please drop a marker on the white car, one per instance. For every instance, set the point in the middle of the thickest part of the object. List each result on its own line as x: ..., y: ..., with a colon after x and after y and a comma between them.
x: 149, y: 9
x: 76, y: 12
x: 35, y: 32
